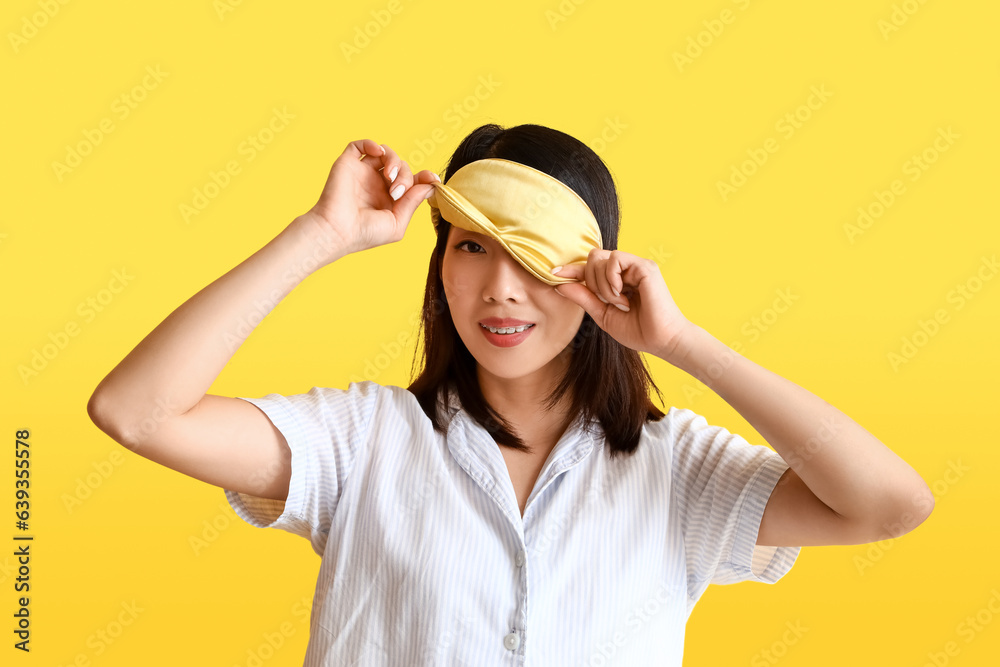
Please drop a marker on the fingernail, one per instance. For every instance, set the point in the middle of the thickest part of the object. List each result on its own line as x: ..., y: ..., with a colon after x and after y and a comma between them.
x: 622, y: 307
x: 436, y: 177
x: 383, y: 148
x: 615, y: 292
x: 397, y: 192
x: 429, y: 193
x: 392, y: 174
x: 603, y: 299
x: 559, y: 293
x: 557, y: 269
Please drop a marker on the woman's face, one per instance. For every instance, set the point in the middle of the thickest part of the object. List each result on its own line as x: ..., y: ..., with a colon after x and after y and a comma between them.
x: 483, y: 283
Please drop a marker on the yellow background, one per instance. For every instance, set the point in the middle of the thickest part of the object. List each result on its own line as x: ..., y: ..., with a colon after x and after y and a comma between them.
x: 605, y: 72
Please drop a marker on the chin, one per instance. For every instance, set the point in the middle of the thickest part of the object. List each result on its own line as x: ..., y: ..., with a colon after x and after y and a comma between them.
x: 507, y: 371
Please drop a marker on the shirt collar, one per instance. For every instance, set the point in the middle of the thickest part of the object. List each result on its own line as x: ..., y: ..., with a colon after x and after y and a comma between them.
x: 452, y: 405
x: 479, y: 454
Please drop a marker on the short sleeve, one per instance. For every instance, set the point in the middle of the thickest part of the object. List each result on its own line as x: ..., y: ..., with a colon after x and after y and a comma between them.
x: 721, y: 484
x: 327, y: 430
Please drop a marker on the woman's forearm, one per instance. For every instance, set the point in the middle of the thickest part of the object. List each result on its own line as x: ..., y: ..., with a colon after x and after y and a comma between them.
x: 844, y: 466
x: 173, y: 367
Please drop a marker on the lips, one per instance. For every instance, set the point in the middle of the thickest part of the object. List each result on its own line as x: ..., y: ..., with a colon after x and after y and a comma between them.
x: 507, y: 339
x: 500, y: 322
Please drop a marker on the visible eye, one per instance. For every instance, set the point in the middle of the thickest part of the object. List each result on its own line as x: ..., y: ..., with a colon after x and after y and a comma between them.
x: 462, y: 244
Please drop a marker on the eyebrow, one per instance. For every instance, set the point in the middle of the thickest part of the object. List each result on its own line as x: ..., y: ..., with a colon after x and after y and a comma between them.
x: 475, y: 235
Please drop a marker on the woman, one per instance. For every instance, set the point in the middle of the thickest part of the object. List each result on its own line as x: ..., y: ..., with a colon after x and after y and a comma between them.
x: 523, y: 499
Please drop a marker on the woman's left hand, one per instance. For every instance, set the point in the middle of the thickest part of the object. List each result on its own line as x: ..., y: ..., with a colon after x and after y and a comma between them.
x: 653, y: 322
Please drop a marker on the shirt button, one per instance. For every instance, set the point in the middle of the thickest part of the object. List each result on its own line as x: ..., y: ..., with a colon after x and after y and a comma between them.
x: 512, y: 641
x: 519, y: 559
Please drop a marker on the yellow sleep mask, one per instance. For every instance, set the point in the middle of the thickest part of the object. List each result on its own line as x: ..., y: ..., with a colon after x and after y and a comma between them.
x: 538, y: 219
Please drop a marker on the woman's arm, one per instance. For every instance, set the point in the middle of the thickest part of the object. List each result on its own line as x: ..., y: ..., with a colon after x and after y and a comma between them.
x: 843, y: 486
x: 154, y: 402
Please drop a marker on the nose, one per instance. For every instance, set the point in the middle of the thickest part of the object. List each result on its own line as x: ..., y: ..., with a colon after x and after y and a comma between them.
x: 506, y: 279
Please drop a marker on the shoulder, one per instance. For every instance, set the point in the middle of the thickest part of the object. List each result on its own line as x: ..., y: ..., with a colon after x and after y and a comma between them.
x: 394, y: 405
x: 362, y: 400
x: 357, y: 395
x: 689, y: 442
x: 676, y: 426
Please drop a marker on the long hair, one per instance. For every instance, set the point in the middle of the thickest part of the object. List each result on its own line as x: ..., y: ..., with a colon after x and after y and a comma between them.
x: 606, y: 380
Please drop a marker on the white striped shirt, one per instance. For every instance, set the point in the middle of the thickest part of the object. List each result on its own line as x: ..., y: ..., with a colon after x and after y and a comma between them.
x: 426, y: 559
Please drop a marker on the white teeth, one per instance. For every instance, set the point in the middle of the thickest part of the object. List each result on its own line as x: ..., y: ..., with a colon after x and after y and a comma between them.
x: 508, y: 330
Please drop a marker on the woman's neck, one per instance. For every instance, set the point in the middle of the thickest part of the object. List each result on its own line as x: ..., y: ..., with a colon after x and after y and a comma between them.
x: 521, y: 401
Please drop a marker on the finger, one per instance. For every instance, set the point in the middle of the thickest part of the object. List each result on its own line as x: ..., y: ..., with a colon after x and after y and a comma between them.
x: 390, y: 164
x: 397, y: 173
x: 570, y: 271
x: 614, y: 268
x: 594, y: 274
x: 426, y: 176
x: 363, y: 148
x: 581, y: 295
x: 408, y: 202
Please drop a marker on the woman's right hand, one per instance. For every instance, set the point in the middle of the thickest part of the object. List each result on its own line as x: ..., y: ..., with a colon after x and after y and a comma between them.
x: 356, y: 210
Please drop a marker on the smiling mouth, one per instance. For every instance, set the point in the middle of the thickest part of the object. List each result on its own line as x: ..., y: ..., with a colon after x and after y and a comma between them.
x: 507, y: 330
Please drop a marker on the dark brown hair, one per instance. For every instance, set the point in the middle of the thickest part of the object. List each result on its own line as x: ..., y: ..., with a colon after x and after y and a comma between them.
x: 607, y: 380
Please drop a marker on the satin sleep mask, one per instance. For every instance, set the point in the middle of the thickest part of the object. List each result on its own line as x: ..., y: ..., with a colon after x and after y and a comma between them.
x: 538, y: 219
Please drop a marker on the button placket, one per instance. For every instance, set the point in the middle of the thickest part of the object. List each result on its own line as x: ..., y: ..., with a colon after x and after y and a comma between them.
x: 512, y: 640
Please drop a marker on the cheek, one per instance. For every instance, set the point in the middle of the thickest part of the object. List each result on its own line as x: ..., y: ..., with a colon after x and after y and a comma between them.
x: 457, y: 286
x: 563, y: 312
x: 455, y: 290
